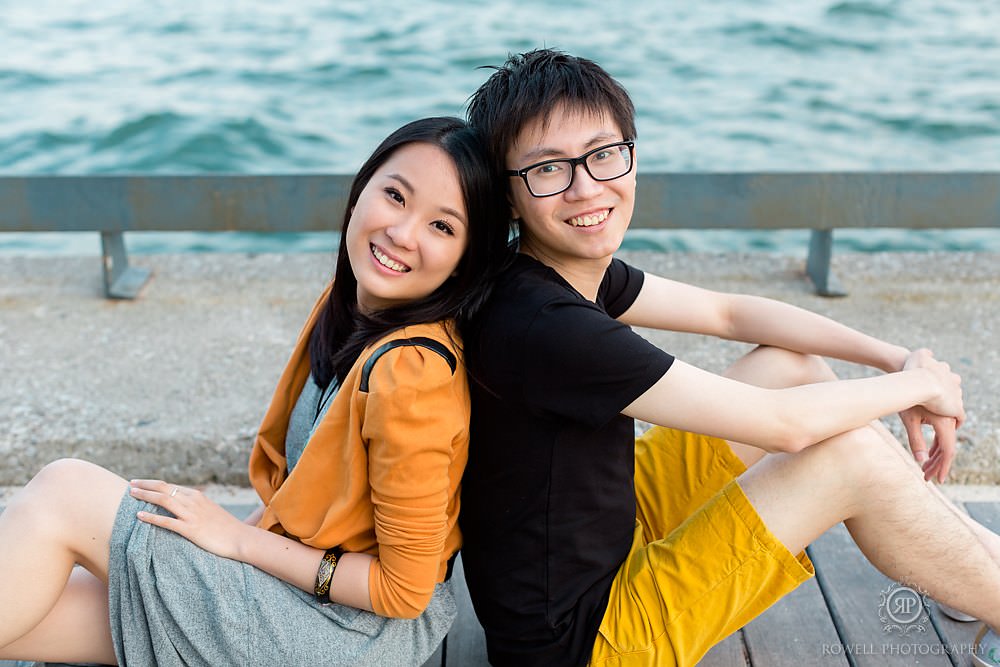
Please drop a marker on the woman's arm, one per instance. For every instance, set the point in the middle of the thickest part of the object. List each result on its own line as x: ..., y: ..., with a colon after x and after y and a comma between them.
x: 254, y: 517
x: 674, y: 306
x: 793, y: 418
x: 416, y: 414
x: 215, y: 530
x: 416, y: 426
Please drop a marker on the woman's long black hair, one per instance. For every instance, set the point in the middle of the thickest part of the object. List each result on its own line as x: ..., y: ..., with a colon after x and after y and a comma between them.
x: 342, y: 331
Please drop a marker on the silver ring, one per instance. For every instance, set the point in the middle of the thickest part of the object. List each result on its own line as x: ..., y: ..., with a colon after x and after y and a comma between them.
x: 174, y: 492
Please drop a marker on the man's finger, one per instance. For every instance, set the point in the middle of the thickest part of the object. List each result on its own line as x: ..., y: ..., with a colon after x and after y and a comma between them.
x: 915, y: 436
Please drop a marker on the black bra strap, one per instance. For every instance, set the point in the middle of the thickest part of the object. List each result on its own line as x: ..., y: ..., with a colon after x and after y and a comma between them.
x: 420, y: 341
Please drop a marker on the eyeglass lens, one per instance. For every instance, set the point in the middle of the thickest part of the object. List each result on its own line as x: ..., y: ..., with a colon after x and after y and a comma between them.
x: 604, y: 164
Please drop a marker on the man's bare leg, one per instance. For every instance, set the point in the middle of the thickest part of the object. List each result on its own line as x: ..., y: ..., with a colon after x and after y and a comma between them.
x: 774, y: 368
x: 897, y: 520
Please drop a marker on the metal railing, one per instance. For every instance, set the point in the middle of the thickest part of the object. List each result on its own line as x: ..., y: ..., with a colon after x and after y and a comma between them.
x: 821, y: 202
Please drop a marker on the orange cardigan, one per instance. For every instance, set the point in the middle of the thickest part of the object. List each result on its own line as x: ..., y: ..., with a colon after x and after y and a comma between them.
x: 381, y: 472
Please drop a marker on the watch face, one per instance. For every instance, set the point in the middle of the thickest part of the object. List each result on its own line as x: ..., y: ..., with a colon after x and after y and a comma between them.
x: 324, y: 575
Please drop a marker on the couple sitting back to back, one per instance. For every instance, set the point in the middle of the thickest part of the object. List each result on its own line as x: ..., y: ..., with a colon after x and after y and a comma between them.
x: 581, y: 544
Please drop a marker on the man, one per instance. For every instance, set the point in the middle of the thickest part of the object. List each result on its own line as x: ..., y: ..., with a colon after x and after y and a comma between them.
x: 584, y: 545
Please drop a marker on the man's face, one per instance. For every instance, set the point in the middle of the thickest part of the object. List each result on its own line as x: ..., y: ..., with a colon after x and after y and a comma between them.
x: 586, y: 222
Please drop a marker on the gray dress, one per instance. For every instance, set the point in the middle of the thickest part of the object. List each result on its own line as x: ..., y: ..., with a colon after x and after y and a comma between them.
x: 173, y: 604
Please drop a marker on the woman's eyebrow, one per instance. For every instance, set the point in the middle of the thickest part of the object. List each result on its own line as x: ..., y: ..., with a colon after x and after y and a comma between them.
x: 405, y: 183
x: 452, y: 212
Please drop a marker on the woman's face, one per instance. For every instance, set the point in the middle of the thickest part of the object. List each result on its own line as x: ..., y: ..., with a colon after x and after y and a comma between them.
x: 408, y: 229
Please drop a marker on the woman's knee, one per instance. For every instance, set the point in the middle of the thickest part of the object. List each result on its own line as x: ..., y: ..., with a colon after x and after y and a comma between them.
x: 64, y: 486
x: 59, y: 479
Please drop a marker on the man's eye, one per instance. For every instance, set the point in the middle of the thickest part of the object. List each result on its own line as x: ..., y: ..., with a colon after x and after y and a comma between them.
x: 549, y: 169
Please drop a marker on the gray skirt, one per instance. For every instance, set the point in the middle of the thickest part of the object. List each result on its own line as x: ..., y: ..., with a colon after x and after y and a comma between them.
x: 173, y: 603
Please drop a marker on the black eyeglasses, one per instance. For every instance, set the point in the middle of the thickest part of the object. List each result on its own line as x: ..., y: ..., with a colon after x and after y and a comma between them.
x: 605, y: 163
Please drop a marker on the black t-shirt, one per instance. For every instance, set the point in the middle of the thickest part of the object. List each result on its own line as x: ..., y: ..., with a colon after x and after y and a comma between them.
x: 548, y: 499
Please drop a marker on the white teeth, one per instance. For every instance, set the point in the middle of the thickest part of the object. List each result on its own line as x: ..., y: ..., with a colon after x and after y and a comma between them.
x: 589, y: 220
x: 387, y: 261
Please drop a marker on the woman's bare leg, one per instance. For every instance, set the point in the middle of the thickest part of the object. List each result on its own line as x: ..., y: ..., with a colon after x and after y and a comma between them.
x: 75, y: 630
x: 63, y: 517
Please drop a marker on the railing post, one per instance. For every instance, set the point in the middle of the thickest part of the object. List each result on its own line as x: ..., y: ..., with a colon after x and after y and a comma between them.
x: 121, y: 281
x: 818, y: 264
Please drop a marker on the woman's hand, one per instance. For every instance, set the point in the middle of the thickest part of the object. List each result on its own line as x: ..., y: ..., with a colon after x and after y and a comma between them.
x: 196, y: 517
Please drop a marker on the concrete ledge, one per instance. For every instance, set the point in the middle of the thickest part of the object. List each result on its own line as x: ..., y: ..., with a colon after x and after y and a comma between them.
x: 174, y: 384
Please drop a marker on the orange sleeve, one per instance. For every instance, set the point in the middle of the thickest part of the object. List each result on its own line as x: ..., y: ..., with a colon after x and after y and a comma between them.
x: 416, y: 414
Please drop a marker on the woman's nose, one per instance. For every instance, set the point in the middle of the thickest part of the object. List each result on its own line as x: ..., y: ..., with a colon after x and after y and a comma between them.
x: 403, y: 233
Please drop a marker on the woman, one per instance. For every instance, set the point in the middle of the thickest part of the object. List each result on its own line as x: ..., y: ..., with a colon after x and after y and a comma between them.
x: 357, y: 463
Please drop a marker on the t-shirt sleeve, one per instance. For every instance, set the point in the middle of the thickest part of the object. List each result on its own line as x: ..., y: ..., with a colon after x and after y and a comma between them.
x: 582, y: 364
x: 620, y: 287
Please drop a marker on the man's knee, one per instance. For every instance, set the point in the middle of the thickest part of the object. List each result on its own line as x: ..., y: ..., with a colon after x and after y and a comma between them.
x: 862, y: 457
x: 778, y: 367
x: 804, y: 368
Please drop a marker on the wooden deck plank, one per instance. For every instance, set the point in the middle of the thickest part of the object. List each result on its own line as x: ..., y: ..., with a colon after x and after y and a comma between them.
x: 730, y: 652
x: 854, y: 591
x: 987, y: 514
x: 796, y: 631
x: 959, y: 637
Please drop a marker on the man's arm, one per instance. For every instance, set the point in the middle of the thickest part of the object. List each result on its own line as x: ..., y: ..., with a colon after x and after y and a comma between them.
x: 790, y: 419
x: 675, y: 306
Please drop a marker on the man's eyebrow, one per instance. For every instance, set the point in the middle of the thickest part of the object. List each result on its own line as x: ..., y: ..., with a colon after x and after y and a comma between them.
x: 544, y: 152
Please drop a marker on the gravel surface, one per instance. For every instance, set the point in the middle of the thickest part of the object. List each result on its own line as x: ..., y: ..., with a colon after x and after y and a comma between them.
x: 174, y: 383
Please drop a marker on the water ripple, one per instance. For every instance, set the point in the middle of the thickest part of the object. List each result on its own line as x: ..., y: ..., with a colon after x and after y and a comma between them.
x: 258, y: 87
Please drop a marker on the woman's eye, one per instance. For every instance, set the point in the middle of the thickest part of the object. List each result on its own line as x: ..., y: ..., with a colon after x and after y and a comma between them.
x: 443, y: 226
x: 395, y: 195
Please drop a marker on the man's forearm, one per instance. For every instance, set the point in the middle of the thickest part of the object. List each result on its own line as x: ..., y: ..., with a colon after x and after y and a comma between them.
x: 768, y: 322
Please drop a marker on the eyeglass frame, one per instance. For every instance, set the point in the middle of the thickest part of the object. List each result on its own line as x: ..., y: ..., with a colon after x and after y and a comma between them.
x: 574, y: 161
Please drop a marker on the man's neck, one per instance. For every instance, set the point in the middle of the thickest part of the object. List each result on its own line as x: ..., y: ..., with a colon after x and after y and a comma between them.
x: 584, y: 275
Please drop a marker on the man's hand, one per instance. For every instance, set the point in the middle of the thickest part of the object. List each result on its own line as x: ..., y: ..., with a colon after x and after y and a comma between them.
x: 945, y: 414
x: 942, y: 452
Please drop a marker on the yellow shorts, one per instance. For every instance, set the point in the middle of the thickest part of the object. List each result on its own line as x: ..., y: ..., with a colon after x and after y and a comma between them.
x: 702, y: 563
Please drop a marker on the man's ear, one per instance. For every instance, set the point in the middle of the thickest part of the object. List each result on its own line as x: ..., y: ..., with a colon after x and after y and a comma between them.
x: 514, y: 214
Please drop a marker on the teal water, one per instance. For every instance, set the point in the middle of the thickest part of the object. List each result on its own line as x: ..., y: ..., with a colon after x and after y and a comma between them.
x: 309, y: 86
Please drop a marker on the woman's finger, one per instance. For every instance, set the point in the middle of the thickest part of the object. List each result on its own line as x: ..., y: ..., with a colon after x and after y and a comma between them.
x: 164, y: 498
x: 161, y: 521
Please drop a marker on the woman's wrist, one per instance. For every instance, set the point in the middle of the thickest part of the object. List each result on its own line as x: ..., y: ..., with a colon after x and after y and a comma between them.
x: 242, y: 549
